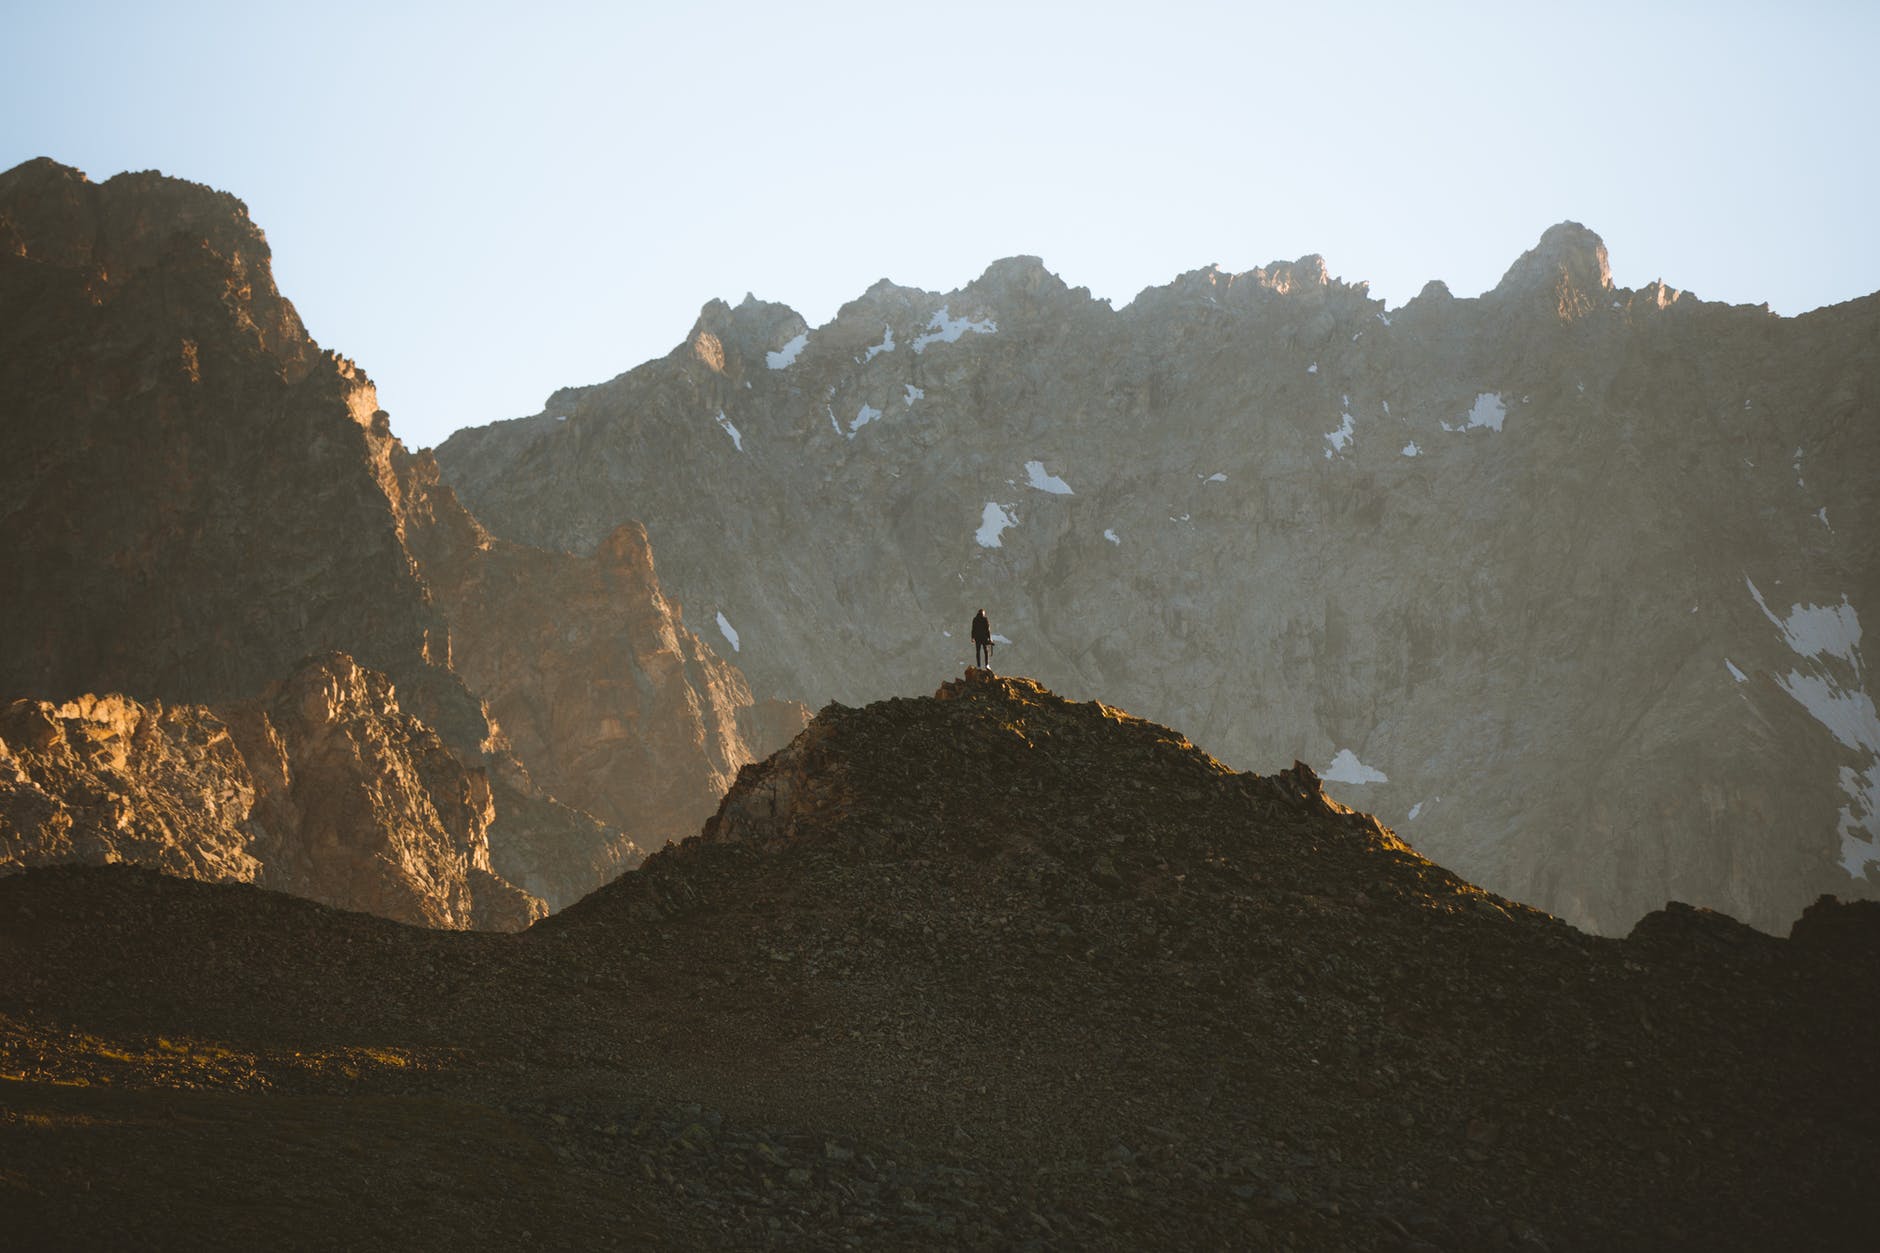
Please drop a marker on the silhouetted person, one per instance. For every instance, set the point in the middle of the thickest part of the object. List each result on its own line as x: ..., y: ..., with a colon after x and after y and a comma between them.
x: 982, y: 641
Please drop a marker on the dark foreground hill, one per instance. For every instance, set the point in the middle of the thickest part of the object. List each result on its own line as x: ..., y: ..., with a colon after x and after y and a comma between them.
x: 989, y: 969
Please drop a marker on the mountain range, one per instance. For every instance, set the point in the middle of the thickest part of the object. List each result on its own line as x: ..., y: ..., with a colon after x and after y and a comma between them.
x: 1564, y: 581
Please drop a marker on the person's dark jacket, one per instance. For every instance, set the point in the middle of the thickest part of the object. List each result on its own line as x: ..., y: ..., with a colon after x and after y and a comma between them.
x: 982, y: 629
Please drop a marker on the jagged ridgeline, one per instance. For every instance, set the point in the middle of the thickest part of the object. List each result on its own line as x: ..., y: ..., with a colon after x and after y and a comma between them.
x: 989, y: 969
x: 197, y: 499
x: 1565, y: 582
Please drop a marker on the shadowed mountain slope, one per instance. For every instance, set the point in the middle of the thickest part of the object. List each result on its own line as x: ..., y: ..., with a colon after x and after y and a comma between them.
x: 988, y: 969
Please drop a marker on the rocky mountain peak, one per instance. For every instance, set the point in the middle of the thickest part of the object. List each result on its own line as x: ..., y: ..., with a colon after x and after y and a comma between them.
x: 1018, y: 275
x: 731, y: 340
x: 1564, y: 273
x: 1020, y: 289
x: 110, y: 234
x: 1286, y: 277
x: 1300, y: 292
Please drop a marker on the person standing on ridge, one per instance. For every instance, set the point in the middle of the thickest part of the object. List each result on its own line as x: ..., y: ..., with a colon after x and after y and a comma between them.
x: 982, y: 641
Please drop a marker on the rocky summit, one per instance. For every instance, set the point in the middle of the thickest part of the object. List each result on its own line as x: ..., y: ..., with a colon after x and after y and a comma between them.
x: 991, y: 968
x: 197, y: 499
x: 1566, y: 580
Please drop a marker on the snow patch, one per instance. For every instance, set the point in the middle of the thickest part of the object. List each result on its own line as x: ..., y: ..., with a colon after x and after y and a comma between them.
x: 833, y: 420
x: 786, y: 355
x: 914, y: 393
x: 1036, y: 477
x: 561, y: 417
x: 1000, y: 639
x: 1346, y: 768
x: 947, y: 330
x: 1111, y: 536
x: 1383, y: 319
x: 886, y: 344
x: 725, y: 628
x: 863, y: 416
x: 1811, y: 630
x: 992, y: 521
x: 1411, y: 450
x: 1848, y: 715
x: 1823, y: 516
x: 1736, y: 674
x: 737, y: 441
x: 1833, y: 691
x: 1861, y: 813
x: 1488, y: 411
x: 1313, y: 368
x: 1341, y: 438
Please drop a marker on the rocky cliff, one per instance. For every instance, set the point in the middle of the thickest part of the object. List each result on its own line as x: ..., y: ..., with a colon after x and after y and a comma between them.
x: 190, y: 506
x: 592, y: 676
x: 321, y: 787
x: 99, y: 780
x: 987, y: 969
x: 196, y: 498
x: 1564, y: 580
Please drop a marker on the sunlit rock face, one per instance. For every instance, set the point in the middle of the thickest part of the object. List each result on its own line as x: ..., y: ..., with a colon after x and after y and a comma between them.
x: 321, y: 786
x: 103, y: 779
x: 1564, y: 582
x: 197, y: 498
x: 362, y: 805
x: 593, y: 678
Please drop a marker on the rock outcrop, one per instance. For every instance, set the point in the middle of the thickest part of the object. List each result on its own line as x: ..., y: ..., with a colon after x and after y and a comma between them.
x: 104, y: 779
x: 196, y: 497
x: 1565, y: 580
x: 322, y: 787
x: 593, y: 677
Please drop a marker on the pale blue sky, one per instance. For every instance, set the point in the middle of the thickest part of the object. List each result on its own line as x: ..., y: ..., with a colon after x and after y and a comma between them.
x: 483, y: 203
